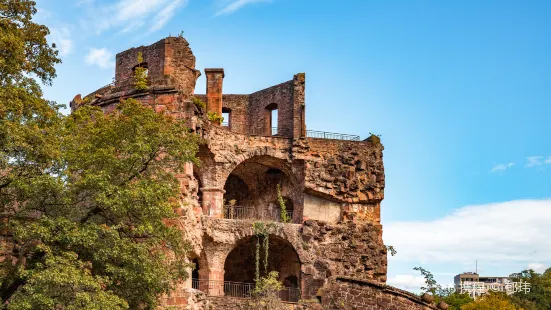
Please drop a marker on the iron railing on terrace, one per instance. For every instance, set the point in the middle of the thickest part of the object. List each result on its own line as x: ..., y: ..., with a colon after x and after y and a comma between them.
x: 251, y: 213
x: 239, y: 289
x: 331, y: 135
x: 309, y: 133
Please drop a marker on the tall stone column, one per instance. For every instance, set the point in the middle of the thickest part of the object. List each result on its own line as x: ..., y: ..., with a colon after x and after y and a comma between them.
x: 215, y: 77
x: 213, y: 202
x: 212, y: 281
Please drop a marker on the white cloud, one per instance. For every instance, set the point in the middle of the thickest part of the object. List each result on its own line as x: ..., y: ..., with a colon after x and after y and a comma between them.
x: 407, y: 282
x: 100, y: 57
x: 513, y: 232
x: 534, y: 161
x: 537, y: 267
x: 132, y: 15
x: 234, y: 5
x: 548, y: 160
x: 502, y: 167
x: 165, y: 15
x: 62, y: 38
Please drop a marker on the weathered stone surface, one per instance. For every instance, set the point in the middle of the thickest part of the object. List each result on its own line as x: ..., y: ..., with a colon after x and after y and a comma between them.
x: 332, y: 189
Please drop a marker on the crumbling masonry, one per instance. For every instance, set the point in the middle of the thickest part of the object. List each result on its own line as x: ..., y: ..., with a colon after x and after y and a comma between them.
x: 330, y: 253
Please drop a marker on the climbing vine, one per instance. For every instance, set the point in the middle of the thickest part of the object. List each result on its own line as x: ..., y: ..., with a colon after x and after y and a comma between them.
x: 261, y: 233
x: 284, y: 217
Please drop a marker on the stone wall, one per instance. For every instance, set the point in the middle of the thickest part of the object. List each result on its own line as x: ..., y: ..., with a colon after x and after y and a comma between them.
x: 170, y: 62
x: 239, y: 107
x: 350, y: 294
x: 185, y: 299
x: 288, y: 98
x: 345, y: 249
x: 344, y: 171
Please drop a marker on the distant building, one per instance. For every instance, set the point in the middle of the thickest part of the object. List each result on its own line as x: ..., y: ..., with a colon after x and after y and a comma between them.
x: 476, y: 285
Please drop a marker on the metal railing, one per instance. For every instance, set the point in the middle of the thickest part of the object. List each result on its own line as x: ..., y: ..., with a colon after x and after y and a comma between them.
x: 239, y: 289
x: 225, y: 124
x: 331, y: 135
x: 249, y: 213
x: 274, y: 131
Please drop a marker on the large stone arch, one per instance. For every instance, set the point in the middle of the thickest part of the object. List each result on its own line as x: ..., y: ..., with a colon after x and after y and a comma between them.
x: 252, y: 187
x: 240, y: 263
x: 267, y: 151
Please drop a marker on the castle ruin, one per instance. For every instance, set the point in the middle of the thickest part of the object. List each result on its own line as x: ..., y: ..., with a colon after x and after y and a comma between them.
x: 329, y: 249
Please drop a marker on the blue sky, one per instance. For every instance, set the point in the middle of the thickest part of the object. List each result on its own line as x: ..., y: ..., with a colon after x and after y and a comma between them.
x: 459, y: 91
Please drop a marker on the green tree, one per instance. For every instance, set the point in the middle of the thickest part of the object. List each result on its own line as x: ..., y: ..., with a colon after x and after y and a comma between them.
x: 266, y: 293
x: 538, y: 294
x: 102, y: 214
x: 86, y: 199
x: 491, y: 301
x: 432, y: 286
x: 454, y: 299
x: 28, y: 123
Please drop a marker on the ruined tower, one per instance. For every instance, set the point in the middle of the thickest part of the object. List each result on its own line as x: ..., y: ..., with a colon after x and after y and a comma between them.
x: 262, y: 154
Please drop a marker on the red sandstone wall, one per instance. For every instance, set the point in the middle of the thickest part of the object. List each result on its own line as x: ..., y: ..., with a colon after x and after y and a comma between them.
x: 345, y: 171
x: 360, y: 295
x: 170, y: 62
x: 289, y: 97
x: 239, y: 106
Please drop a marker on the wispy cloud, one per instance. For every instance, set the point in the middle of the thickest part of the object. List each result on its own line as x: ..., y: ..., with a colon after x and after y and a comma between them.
x: 513, y: 232
x: 132, y: 15
x: 406, y: 281
x: 62, y: 38
x: 166, y: 14
x: 229, y: 7
x: 535, y: 161
x: 100, y: 57
x: 537, y: 267
x: 502, y: 167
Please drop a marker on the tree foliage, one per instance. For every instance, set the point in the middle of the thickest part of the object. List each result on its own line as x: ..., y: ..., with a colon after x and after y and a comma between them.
x: 539, y: 296
x: 491, y: 301
x: 266, y: 293
x: 455, y: 300
x: 140, y: 74
x: 86, y: 198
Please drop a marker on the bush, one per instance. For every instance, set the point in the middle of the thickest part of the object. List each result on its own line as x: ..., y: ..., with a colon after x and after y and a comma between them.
x: 199, y: 103
x: 215, y: 118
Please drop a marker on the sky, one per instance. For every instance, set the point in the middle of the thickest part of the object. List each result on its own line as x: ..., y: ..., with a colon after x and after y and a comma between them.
x: 458, y: 90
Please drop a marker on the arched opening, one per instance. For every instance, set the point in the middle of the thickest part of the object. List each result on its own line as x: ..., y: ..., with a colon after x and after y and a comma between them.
x: 272, y: 119
x: 240, y: 266
x: 226, y: 114
x: 195, y: 274
x: 251, y: 190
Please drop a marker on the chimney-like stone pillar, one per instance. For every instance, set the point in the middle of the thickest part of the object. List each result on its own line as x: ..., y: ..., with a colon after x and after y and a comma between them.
x: 215, y: 77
